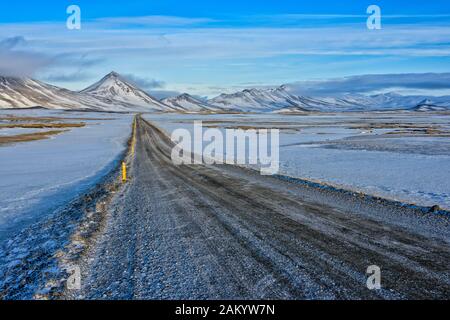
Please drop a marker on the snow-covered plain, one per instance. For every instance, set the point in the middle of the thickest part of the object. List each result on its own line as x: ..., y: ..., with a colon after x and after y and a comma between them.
x: 338, y: 149
x: 39, y: 176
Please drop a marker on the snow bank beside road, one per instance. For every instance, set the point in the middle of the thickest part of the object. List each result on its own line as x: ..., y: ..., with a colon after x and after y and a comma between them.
x: 39, y: 176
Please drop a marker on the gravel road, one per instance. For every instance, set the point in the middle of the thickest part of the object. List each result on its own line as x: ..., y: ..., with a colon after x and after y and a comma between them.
x: 223, y: 232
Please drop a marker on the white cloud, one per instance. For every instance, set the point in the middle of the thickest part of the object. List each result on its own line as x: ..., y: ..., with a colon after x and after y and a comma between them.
x: 17, y: 62
x: 144, y: 83
x: 426, y: 82
x: 193, y: 42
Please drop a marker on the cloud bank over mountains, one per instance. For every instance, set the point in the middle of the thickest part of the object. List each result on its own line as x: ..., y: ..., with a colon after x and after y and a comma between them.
x: 17, y: 60
x: 372, y: 83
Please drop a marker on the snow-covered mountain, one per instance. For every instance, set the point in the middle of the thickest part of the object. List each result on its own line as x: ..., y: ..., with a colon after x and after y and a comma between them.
x: 187, y: 103
x: 438, y: 104
x: 281, y: 100
x: 381, y: 102
x: 26, y: 93
x: 331, y: 104
x: 116, y: 90
x: 348, y: 102
x: 258, y: 100
x: 114, y: 93
x: 394, y: 101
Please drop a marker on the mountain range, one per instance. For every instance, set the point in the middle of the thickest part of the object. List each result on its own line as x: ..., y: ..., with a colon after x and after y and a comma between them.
x: 281, y: 100
x: 115, y: 93
x: 112, y: 93
x: 187, y: 103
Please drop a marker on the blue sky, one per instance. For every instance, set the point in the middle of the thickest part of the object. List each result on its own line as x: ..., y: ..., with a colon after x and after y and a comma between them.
x: 209, y: 47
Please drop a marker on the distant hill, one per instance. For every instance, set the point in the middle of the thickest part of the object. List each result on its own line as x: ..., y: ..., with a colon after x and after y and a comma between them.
x: 187, y: 103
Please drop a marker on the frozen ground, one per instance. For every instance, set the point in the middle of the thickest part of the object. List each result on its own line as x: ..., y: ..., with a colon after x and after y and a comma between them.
x: 391, y: 155
x: 40, y: 188
x: 38, y: 176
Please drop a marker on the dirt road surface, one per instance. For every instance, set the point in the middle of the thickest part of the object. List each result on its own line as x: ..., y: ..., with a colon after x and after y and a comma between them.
x: 223, y: 232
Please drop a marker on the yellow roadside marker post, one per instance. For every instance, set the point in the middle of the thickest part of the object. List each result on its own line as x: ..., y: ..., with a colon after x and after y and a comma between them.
x: 133, y: 143
x: 124, y: 172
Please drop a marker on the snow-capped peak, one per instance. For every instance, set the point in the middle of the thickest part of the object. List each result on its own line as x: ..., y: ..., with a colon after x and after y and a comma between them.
x: 187, y: 103
x: 111, y: 86
x: 25, y: 93
x: 254, y: 100
x: 115, y: 89
x: 112, y: 93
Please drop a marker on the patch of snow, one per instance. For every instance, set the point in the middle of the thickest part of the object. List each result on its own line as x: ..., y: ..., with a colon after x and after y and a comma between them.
x: 40, y: 175
x: 187, y: 103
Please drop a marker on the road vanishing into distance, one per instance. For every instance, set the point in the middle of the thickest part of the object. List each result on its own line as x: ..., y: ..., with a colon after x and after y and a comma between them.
x: 224, y: 232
